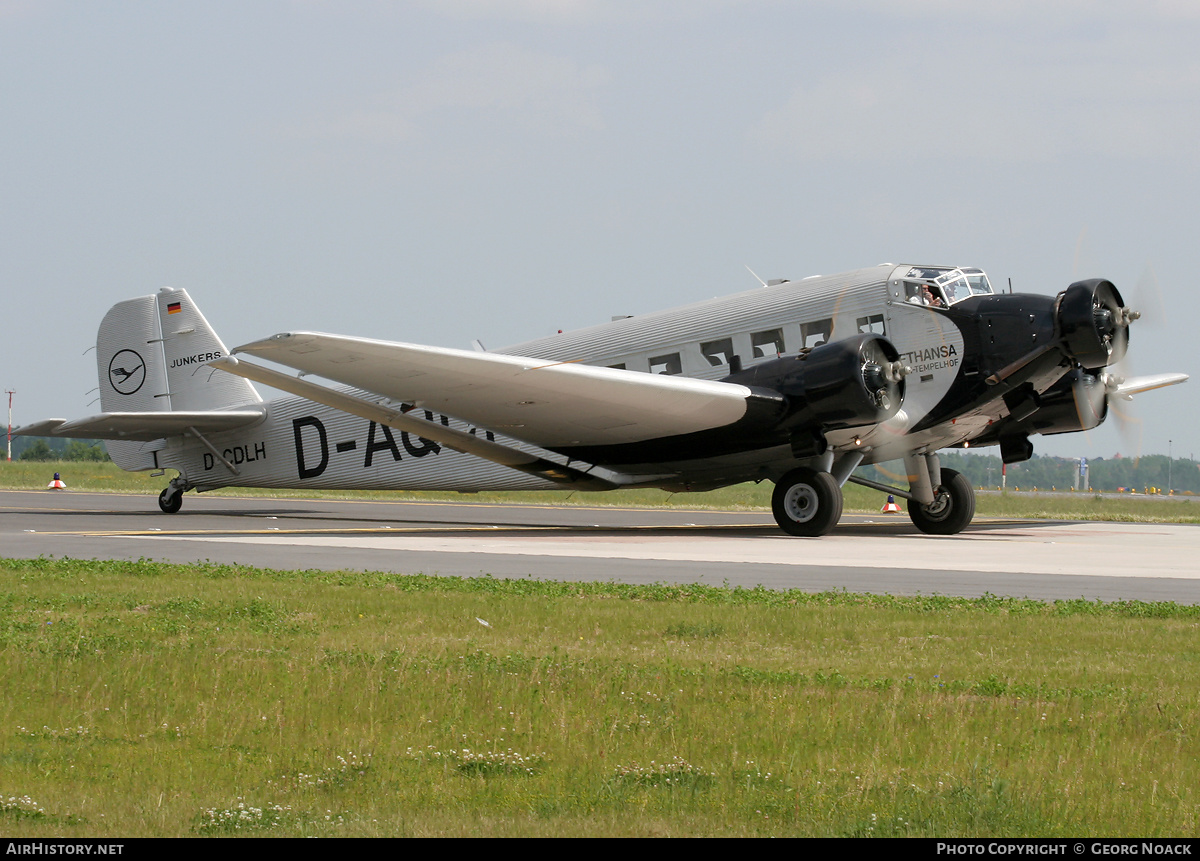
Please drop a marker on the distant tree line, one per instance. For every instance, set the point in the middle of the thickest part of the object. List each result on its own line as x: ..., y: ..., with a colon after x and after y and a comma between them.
x: 1045, y: 472
x: 982, y: 470
x: 46, y: 449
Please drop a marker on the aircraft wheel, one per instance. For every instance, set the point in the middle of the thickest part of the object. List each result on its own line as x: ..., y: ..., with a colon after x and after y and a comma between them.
x: 952, y: 509
x: 807, y: 502
x: 170, y: 500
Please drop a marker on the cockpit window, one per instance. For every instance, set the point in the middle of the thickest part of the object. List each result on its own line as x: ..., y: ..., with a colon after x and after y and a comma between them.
x: 958, y: 284
x: 978, y: 281
x: 923, y: 293
x: 954, y: 286
x: 926, y: 273
x: 939, y: 287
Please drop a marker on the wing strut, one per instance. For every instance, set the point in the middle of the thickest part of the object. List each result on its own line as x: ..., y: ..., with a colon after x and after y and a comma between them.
x: 215, y: 453
x: 461, y: 441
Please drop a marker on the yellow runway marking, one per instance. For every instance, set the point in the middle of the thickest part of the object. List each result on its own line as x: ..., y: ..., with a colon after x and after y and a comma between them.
x: 24, y: 509
x: 447, y: 502
x: 386, y: 530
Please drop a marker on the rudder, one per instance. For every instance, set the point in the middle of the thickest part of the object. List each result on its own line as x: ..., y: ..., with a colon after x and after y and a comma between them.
x: 151, y: 355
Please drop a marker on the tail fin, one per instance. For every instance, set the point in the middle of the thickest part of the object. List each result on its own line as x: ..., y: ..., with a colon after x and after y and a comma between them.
x: 151, y: 355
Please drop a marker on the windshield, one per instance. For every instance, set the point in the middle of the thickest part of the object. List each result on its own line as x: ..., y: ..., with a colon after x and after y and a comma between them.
x: 958, y: 284
x: 978, y: 281
x: 938, y: 287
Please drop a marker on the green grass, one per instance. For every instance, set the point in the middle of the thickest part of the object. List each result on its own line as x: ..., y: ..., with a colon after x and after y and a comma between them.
x: 107, y: 477
x: 1090, y: 506
x: 81, y: 475
x: 152, y: 700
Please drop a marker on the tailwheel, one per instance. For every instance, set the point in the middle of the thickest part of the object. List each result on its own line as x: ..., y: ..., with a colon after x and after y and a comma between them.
x: 806, y: 502
x: 171, y: 500
x: 952, y: 508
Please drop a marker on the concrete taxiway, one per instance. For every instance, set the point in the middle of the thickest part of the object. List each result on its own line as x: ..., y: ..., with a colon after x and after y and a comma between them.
x: 865, y: 553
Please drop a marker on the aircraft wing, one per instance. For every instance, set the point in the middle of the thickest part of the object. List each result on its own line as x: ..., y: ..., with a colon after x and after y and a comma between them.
x: 549, y: 404
x: 141, y: 426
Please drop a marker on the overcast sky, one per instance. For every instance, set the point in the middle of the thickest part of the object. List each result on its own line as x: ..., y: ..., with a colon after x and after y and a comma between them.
x: 455, y: 169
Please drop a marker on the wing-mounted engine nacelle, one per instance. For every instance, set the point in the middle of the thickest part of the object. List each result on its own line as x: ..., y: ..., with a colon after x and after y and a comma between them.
x: 1077, y: 402
x: 844, y: 384
x: 1093, y: 322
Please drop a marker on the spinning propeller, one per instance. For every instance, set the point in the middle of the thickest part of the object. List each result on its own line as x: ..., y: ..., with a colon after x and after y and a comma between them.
x: 1116, y: 385
x: 882, y: 375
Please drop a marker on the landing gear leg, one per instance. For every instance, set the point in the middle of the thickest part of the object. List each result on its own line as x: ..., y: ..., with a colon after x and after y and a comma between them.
x: 806, y: 502
x: 952, y: 508
x: 171, y: 499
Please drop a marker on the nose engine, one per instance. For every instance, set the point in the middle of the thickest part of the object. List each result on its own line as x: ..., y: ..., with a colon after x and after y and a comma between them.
x: 1093, y: 323
x: 1091, y: 331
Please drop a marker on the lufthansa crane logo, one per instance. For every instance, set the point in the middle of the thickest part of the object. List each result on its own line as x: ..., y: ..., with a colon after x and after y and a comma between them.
x: 127, y: 372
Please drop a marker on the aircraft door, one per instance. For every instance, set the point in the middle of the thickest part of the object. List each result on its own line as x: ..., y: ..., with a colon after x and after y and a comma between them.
x: 928, y: 342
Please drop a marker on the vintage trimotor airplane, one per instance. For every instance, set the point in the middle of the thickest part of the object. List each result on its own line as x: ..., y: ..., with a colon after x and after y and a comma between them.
x: 797, y: 382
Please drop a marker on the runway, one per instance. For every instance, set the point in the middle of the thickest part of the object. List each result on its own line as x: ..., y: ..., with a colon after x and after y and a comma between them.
x: 866, y: 553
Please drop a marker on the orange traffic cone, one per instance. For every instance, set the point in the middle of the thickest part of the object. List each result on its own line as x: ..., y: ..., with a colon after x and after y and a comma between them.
x: 56, y: 484
x: 890, y: 506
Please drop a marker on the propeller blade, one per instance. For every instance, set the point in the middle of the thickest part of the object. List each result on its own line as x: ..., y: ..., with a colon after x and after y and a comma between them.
x: 1126, y: 389
x: 1119, y: 392
x: 1147, y: 298
x: 1129, y: 426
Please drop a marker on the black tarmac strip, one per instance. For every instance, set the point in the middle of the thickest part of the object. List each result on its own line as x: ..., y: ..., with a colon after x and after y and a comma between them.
x: 873, y: 553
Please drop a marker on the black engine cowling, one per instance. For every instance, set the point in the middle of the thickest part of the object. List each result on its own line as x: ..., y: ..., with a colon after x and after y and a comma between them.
x: 1077, y: 402
x: 792, y: 400
x: 839, y: 385
x: 1093, y: 323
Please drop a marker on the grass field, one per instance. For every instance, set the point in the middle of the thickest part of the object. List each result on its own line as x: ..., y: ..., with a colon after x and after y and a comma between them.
x: 145, y: 700
x: 1083, y: 506
x: 153, y: 700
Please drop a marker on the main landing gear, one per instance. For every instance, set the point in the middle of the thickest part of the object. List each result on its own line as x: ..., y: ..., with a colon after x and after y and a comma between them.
x: 807, y: 502
x: 171, y: 499
x: 952, y: 508
x: 940, y: 501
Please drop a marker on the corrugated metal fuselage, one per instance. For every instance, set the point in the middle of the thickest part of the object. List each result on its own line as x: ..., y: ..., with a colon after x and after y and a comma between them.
x: 300, y: 443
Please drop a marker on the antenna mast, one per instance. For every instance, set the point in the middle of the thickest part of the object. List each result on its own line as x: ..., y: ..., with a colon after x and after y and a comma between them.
x: 10, y: 393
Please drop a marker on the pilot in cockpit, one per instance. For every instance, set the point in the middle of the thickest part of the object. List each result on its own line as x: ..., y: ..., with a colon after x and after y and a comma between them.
x: 921, y: 294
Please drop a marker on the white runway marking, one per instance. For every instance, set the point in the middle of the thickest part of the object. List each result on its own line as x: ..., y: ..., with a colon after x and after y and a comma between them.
x: 1091, y: 549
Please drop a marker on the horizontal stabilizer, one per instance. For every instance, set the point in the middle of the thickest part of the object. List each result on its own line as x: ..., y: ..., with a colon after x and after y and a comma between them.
x: 394, y: 417
x: 142, y: 425
x: 550, y: 404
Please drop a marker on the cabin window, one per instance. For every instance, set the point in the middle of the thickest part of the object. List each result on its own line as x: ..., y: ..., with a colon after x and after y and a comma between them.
x: 769, y: 343
x: 816, y: 333
x: 718, y: 352
x: 873, y: 323
x: 668, y: 364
